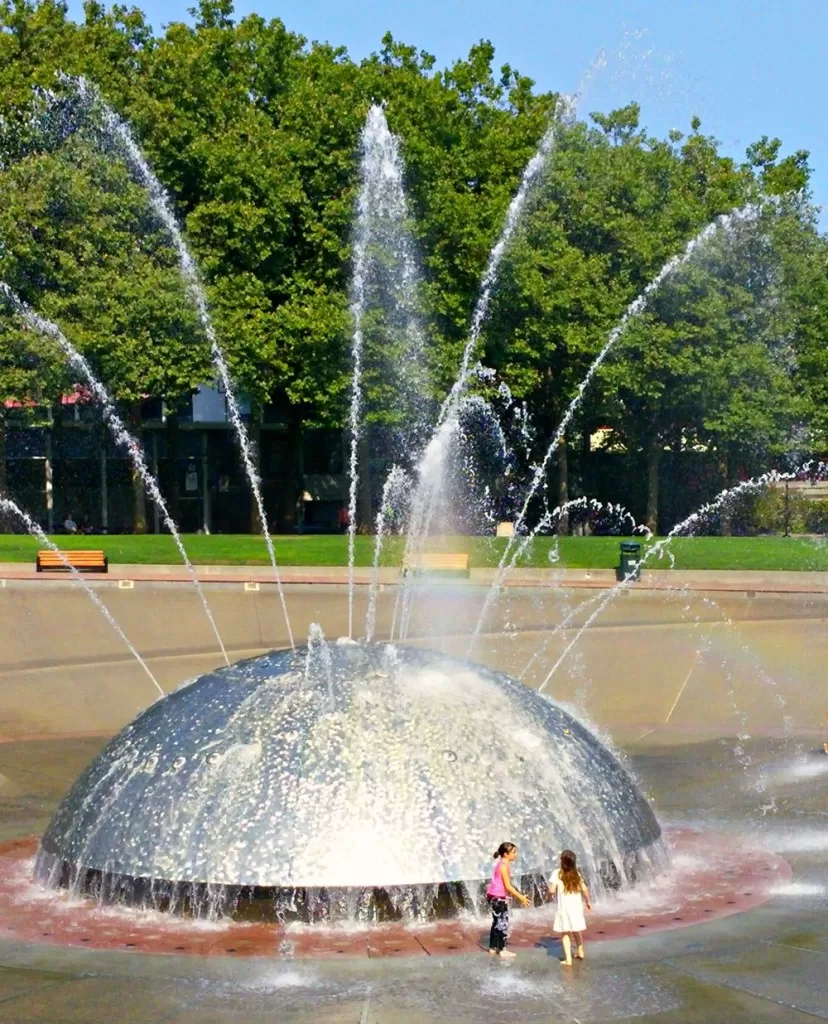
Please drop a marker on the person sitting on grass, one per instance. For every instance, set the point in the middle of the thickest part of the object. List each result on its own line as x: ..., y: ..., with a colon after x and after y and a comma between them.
x: 498, y: 891
x: 568, y: 887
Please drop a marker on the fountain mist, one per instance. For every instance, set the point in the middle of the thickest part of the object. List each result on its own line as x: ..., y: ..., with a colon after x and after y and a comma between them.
x: 384, y: 288
x: 393, y: 494
x: 430, y: 483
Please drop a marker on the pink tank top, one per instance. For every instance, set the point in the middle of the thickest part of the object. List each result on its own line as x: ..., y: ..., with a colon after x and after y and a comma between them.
x: 496, y: 887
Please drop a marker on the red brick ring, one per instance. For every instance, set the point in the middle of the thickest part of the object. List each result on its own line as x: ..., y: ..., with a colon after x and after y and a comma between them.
x: 691, y: 892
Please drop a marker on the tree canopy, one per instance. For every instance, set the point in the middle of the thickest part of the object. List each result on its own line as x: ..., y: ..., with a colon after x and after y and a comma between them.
x: 254, y: 132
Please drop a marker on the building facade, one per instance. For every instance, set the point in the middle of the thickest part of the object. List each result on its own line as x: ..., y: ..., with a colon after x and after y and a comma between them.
x: 64, y: 462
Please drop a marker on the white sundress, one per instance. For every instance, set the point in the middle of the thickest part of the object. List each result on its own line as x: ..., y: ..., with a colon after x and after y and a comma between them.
x: 569, y: 916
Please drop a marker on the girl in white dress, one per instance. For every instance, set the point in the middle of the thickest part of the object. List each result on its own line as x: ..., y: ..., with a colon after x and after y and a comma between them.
x: 568, y: 887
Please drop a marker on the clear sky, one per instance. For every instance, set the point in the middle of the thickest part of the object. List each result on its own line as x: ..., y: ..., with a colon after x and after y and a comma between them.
x: 746, y: 67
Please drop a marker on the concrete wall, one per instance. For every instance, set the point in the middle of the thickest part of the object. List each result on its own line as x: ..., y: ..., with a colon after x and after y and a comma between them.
x: 661, y: 665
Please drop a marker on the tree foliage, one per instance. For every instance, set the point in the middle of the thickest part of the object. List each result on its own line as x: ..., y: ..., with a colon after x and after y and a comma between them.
x: 254, y: 132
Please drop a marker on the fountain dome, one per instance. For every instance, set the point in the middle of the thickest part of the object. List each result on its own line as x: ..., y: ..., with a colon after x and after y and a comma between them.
x: 345, y: 779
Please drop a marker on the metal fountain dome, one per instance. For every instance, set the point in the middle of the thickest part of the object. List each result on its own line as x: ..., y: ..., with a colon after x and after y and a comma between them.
x: 372, y: 769
x: 335, y: 777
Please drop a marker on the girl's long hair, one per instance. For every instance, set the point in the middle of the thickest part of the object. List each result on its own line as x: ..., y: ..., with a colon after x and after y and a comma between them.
x: 569, y: 875
x: 503, y: 849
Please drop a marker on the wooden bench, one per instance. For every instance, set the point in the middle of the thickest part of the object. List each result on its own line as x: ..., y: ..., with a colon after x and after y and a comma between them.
x: 434, y: 564
x: 83, y: 561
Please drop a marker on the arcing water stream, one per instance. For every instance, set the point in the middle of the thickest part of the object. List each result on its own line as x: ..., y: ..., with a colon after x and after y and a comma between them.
x: 7, y: 505
x: 635, y: 308
x: 380, y: 723
x: 119, y: 432
x: 385, y: 279
x: 119, y: 133
x: 381, y: 222
x: 532, y: 174
x: 657, y: 549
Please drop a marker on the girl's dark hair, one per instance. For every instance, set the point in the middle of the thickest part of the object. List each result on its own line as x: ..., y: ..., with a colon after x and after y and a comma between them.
x: 569, y: 874
x: 503, y: 849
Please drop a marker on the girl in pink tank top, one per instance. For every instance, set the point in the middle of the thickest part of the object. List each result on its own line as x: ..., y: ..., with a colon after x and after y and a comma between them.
x: 497, y: 893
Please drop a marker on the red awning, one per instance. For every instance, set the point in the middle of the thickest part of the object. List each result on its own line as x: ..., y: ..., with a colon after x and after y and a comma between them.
x: 80, y: 395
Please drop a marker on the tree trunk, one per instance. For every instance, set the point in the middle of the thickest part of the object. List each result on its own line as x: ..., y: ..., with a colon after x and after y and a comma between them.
x: 5, y: 524
x: 52, y: 434
x: 139, y: 498
x: 299, y: 471
x: 653, y: 462
x: 291, y: 477
x: 365, y: 509
x: 724, y: 481
x: 563, y: 485
x: 173, y: 469
x: 254, y: 435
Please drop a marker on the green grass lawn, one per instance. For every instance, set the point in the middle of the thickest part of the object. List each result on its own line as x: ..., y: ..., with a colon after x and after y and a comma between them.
x: 575, y: 552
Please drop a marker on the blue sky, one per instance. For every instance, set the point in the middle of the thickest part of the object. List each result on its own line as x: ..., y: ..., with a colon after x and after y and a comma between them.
x: 746, y: 67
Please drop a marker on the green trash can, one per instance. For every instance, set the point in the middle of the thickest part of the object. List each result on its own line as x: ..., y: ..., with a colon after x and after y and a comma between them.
x: 630, y: 567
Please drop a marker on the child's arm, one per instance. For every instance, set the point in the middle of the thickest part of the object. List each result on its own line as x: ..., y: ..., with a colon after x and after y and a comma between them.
x: 552, y: 886
x: 585, y: 894
x: 507, y: 882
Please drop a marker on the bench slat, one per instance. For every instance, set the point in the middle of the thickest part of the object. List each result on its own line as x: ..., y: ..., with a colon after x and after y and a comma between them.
x: 437, y: 559
x: 433, y: 562
x: 93, y: 561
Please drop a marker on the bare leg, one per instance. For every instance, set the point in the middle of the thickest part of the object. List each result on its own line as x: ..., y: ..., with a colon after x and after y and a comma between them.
x: 579, y: 955
x: 566, y: 941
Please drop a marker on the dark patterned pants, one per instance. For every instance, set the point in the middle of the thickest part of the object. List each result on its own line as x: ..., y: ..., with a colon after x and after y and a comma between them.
x: 500, y: 923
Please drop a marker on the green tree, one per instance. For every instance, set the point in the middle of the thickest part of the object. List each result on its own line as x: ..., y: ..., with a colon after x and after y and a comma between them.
x: 31, y: 377
x: 616, y: 205
x: 254, y: 132
x: 80, y: 245
x: 699, y: 368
